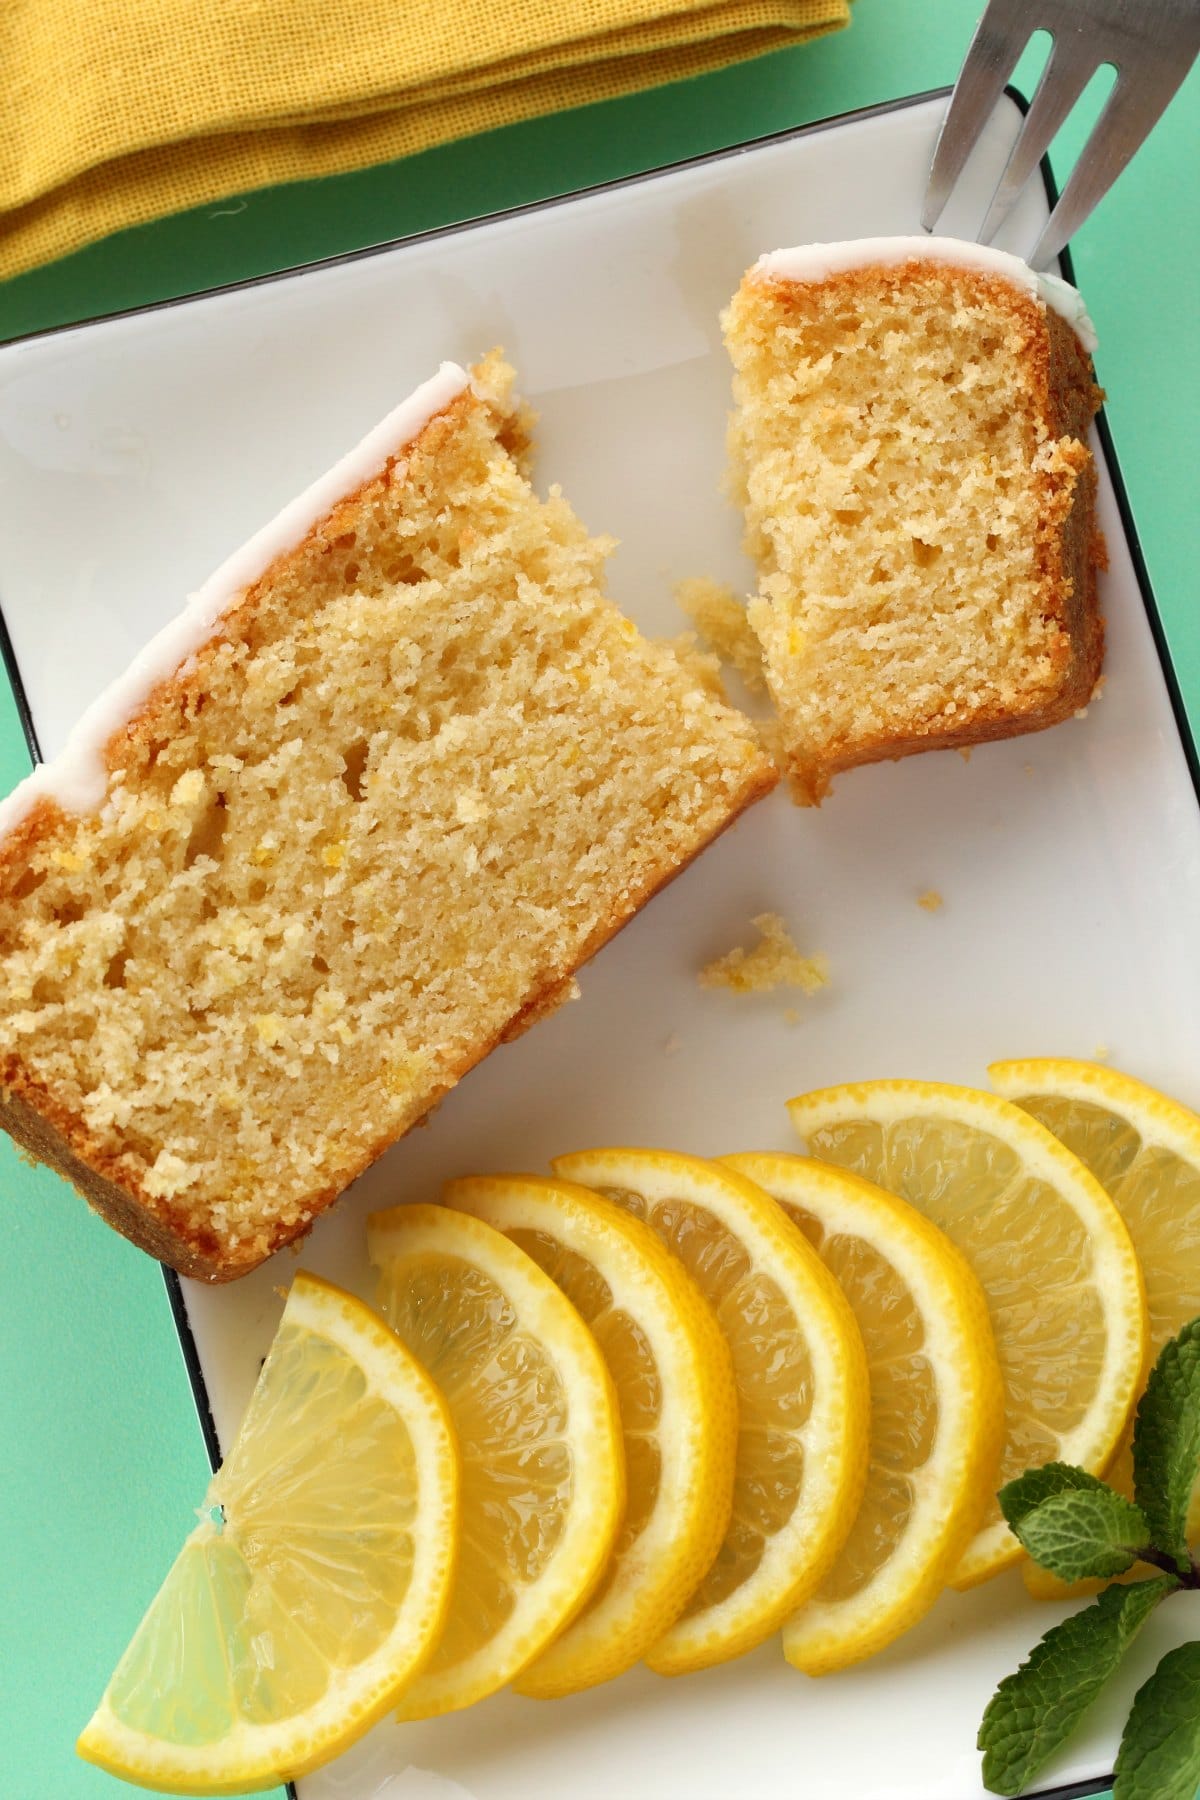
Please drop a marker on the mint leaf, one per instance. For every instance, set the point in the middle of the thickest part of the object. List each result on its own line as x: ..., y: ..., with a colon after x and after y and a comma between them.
x: 1166, y: 1442
x: 1159, y: 1758
x: 1084, y: 1532
x: 1036, y: 1485
x: 1073, y: 1523
x: 1036, y: 1710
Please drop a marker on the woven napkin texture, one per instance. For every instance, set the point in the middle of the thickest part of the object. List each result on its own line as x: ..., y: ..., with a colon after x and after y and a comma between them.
x: 119, y: 111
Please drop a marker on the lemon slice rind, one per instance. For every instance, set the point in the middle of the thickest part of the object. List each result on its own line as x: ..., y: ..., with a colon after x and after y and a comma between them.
x: 544, y: 1606
x: 1163, y: 1126
x: 1114, y: 1271
x: 834, y: 1435
x: 254, y: 1756
x: 695, y: 1430
x: 1172, y: 1125
x: 951, y: 1487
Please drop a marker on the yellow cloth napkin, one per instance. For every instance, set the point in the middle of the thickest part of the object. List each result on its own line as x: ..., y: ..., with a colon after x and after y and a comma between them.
x: 118, y: 111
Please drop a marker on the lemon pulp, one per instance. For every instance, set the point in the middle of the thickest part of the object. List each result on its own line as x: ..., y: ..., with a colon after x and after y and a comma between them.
x: 317, y: 1580
x: 1144, y: 1149
x: 937, y: 1407
x: 800, y: 1375
x: 678, y: 1410
x: 774, y: 1378
x: 536, y: 1421
x: 626, y: 1350
x: 1046, y: 1244
x: 510, y: 1413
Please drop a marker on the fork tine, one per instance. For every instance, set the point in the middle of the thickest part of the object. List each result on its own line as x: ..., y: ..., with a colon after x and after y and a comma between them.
x: 1071, y: 65
x: 1000, y: 37
x: 1133, y: 108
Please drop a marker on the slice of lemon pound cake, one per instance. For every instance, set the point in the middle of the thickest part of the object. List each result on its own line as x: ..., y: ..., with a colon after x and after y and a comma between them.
x: 354, y: 817
x: 910, y: 448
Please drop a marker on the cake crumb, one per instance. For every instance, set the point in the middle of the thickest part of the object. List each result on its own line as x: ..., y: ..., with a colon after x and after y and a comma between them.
x: 930, y: 900
x: 855, y: 384
x: 771, y: 742
x: 457, y: 771
x: 791, y: 1016
x: 720, y: 618
x: 672, y: 1044
x: 775, y: 962
x: 703, y: 667
x: 964, y: 750
x: 1101, y: 1053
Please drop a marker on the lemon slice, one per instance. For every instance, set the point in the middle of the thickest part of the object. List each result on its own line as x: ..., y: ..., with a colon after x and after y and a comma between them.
x: 317, y: 1580
x: 937, y: 1407
x: 1063, y: 1286
x: 539, y: 1438
x: 674, y: 1382
x: 801, y: 1378
x: 1145, y: 1151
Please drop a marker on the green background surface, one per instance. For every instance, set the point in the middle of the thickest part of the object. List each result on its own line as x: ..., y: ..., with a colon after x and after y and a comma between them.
x: 103, y: 1458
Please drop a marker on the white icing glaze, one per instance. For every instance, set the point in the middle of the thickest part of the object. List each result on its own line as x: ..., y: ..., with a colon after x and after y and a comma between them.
x: 77, y: 778
x: 816, y: 262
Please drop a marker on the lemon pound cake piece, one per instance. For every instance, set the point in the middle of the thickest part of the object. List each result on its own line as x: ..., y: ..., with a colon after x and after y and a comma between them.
x: 357, y: 815
x: 909, y: 444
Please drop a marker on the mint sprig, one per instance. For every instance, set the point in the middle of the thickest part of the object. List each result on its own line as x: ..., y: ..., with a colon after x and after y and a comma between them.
x: 1159, y: 1757
x: 1074, y: 1524
x: 1078, y: 1527
x: 1019, y: 1498
x: 1077, y: 1535
x: 1037, y: 1709
x: 1166, y: 1443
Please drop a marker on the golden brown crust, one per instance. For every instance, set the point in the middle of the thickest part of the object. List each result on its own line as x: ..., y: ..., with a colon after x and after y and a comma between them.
x: 46, y: 1134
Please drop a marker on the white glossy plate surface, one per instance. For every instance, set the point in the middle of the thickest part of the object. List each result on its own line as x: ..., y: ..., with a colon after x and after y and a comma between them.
x: 135, y: 454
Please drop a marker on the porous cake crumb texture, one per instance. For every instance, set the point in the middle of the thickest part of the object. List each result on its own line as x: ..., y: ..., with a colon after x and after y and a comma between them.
x: 774, y: 962
x: 423, y: 772
x: 720, y: 619
x: 909, y: 449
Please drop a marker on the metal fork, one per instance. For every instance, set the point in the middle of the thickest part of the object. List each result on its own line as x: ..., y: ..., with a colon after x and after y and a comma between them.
x: 1151, y: 44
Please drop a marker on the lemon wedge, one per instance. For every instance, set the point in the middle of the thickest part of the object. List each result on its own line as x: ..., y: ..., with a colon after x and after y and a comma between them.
x: 801, y: 1377
x: 1047, y: 1244
x: 536, y: 1418
x: 317, y: 1580
x: 937, y: 1407
x: 1144, y: 1149
x: 673, y: 1377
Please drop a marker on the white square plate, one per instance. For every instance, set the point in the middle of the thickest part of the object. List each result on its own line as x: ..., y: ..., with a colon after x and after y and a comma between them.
x: 136, y: 452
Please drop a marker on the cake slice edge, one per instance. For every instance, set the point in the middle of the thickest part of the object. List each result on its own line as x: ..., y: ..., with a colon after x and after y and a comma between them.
x: 1068, y: 546
x: 55, y: 1134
